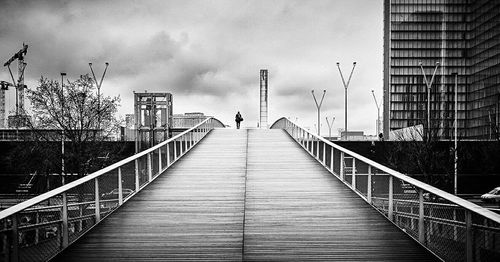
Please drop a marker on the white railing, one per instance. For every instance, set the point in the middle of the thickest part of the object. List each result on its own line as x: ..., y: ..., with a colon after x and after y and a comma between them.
x: 452, y: 228
x: 41, y: 227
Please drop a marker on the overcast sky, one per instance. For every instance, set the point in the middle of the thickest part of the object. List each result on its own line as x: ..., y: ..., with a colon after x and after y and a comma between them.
x: 208, y: 53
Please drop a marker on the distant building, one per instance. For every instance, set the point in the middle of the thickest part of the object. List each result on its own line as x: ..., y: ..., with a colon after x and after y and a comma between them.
x: 188, y: 120
x: 464, y: 37
x: 355, y: 136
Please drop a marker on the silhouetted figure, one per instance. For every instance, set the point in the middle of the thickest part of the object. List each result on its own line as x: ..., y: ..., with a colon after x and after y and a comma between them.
x: 238, y: 119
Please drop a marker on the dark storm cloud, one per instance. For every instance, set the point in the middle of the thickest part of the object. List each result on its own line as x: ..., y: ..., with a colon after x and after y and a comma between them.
x: 207, y: 53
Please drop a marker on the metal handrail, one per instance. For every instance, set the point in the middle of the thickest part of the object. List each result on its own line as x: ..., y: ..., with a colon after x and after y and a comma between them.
x: 462, y: 232
x: 57, y: 191
x: 436, y: 191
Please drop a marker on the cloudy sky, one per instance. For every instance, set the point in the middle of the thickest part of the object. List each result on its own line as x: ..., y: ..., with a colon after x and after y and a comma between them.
x: 208, y: 53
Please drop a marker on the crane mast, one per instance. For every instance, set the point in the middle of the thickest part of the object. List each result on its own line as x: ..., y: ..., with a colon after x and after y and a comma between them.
x: 20, y: 118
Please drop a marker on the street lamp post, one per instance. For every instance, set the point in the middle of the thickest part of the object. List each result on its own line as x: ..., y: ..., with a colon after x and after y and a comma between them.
x: 378, y: 112
x: 346, y: 85
x: 99, y: 84
x: 429, y: 86
x: 330, y: 126
x: 318, y: 106
x: 62, y: 129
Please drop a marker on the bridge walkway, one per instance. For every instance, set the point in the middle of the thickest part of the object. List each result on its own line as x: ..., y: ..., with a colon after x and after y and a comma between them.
x: 251, y: 195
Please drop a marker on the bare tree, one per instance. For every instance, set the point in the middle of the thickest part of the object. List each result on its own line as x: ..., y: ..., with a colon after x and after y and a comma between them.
x: 72, y: 110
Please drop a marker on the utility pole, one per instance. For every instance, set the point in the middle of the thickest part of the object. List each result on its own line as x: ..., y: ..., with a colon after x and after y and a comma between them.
x: 429, y: 86
x: 378, y: 112
x: 330, y: 125
x: 99, y: 84
x: 318, y: 106
x: 346, y: 85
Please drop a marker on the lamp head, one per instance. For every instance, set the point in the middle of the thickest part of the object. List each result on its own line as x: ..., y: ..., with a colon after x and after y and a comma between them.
x: 353, y: 63
x: 420, y: 63
x: 373, y: 90
x: 437, y: 63
x: 338, y: 63
x: 90, y: 64
x: 63, y: 74
x: 107, y: 64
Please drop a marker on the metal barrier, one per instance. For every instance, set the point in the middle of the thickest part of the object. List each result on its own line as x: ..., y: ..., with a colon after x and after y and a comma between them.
x: 452, y: 228
x: 41, y: 227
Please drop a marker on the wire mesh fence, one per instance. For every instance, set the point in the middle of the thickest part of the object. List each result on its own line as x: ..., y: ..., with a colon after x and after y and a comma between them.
x: 41, y: 227
x: 452, y: 228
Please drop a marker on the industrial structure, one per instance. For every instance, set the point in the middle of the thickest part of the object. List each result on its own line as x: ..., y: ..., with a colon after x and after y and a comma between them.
x: 425, y: 44
x: 19, y: 119
x: 153, y: 118
x: 263, y: 99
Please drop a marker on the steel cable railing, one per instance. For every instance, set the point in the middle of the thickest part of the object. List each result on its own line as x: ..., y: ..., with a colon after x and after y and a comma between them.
x: 41, y: 227
x: 452, y: 228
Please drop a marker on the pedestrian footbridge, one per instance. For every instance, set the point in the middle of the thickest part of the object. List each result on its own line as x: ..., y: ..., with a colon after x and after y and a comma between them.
x: 216, y: 194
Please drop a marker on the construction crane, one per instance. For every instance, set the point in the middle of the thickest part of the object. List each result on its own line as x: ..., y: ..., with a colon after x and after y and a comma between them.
x: 20, y: 86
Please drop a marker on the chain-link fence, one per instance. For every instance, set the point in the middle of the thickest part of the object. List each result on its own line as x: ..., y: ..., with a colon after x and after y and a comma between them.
x: 452, y: 228
x: 40, y: 228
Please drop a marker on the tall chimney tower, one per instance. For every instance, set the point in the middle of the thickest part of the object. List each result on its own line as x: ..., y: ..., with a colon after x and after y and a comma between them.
x: 263, y: 98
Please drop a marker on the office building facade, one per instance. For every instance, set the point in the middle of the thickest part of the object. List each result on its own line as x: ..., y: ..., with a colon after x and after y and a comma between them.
x: 459, y: 37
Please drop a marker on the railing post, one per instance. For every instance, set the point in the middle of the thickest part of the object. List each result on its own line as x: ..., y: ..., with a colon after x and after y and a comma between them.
x: 353, y: 173
x: 185, y: 143
x: 175, y: 149
x: 15, y: 237
x: 168, y: 155
x: 421, y: 228
x: 369, y: 185
x: 469, y: 241
x: 455, y: 230
x: 137, y: 183
x: 324, y: 154
x: 120, y: 187
x: 97, y: 200
x: 317, y: 150
x: 64, y: 218
x: 342, y: 166
x: 150, y: 168
x: 160, y: 164
x: 331, y: 158
x: 391, y: 199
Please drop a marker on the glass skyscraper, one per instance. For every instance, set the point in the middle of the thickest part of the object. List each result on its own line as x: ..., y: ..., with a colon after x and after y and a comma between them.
x: 463, y: 36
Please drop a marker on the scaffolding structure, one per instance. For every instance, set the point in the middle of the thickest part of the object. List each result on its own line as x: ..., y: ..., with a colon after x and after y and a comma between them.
x: 153, y: 118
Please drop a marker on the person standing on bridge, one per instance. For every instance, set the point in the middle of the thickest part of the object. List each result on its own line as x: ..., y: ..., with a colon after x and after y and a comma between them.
x: 238, y: 119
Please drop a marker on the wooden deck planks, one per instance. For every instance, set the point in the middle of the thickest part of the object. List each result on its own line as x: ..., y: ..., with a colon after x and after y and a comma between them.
x: 293, y: 210
x: 192, y: 212
x: 296, y: 210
